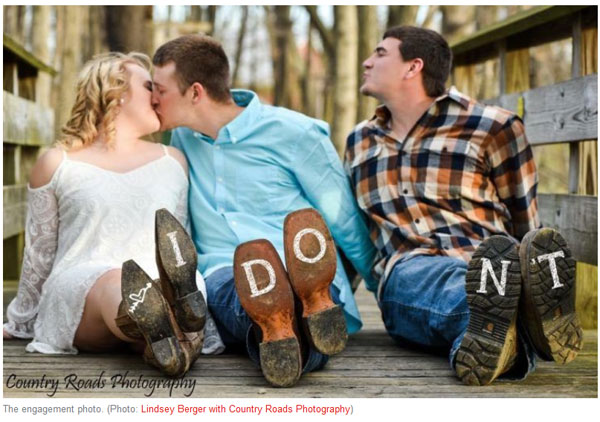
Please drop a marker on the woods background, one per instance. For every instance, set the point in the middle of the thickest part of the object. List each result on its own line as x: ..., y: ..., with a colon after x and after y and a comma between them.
x: 307, y: 58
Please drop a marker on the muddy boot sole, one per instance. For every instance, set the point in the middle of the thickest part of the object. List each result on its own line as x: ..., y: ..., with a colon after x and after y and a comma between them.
x: 265, y: 294
x: 177, y: 261
x: 548, y: 298
x: 492, y: 310
x: 279, y: 362
x: 148, y: 309
x: 311, y: 260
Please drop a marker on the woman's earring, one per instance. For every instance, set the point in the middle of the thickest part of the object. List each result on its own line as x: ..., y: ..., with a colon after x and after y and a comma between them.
x: 122, y: 101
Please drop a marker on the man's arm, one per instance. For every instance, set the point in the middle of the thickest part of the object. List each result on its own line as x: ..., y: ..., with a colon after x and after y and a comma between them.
x: 319, y: 171
x: 514, y: 174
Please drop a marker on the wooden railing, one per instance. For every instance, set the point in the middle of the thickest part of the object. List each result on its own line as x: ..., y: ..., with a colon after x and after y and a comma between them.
x: 565, y: 112
x: 28, y: 128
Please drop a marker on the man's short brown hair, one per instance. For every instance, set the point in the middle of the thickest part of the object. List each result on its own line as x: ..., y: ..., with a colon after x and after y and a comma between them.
x: 197, y: 58
x: 430, y: 47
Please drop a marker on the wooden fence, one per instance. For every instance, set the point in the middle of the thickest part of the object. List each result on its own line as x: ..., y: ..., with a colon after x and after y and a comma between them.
x: 565, y: 112
x: 28, y: 128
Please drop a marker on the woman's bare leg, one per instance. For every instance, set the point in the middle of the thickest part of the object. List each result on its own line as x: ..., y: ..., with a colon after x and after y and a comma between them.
x: 97, y: 331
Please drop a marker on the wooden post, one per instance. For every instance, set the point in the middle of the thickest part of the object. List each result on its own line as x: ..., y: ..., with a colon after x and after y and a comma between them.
x: 502, y: 67
x: 585, y: 62
x: 575, y: 73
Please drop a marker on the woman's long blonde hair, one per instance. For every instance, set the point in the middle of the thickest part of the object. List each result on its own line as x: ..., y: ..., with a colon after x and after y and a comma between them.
x: 100, y: 87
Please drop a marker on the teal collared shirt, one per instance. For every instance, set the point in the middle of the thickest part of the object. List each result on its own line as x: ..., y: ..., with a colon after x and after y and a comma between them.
x: 264, y: 164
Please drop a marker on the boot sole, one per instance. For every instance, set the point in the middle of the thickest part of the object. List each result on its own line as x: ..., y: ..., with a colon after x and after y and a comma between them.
x: 271, y: 307
x: 177, y: 262
x: 491, y: 313
x: 551, y: 320
x: 311, y: 264
x: 146, y: 306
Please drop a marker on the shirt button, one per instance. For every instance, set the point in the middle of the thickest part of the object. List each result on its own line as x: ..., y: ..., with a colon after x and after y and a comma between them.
x: 417, y: 221
x: 220, y: 180
x: 234, y: 223
x: 217, y: 147
x: 197, y: 135
x: 405, y: 191
x: 234, y: 139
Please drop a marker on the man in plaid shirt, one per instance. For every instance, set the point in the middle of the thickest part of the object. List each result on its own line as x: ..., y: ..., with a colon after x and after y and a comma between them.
x: 449, y: 189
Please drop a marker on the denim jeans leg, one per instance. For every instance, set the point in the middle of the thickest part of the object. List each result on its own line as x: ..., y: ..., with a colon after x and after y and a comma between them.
x: 234, y: 325
x: 424, y: 301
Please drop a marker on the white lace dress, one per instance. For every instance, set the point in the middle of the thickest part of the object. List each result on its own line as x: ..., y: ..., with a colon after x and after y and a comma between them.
x: 83, y: 223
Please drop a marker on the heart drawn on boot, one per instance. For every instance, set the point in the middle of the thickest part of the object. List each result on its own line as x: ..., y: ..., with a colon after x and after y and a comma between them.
x: 139, y: 297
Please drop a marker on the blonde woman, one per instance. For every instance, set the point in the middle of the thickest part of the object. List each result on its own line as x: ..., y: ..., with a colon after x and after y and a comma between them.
x: 93, y: 202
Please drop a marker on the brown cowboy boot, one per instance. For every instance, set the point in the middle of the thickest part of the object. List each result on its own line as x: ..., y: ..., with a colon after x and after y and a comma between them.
x: 311, y: 260
x: 126, y: 324
x: 493, y: 285
x: 176, y: 259
x: 190, y: 343
x: 265, y: 294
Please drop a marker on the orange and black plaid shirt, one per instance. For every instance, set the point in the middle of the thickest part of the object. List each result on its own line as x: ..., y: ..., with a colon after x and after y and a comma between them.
x: 465, y: 171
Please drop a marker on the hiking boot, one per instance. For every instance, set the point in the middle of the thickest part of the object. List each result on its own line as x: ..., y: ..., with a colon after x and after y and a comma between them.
x: 177, y: 260
x: 493, y: 285
x: 311, y: 259
x: 547, y: 305
x: 265, y: 294
x: 152, y: 315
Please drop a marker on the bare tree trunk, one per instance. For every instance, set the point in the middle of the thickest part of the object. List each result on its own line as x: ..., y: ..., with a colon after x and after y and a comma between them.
x: 367, y: 40
x: 281, y: 69
x: 212, y: 18
x: 14, y: 22
x: 70, y: 61
x: 97, y: 37
x: 431, y: 12
x: 129, y: 29
x: 40, y: 34
x: 402, y: 15
x: 345, y: 102
x: 195, y: 13
x: 240, y: 45
x: 308, y: 97
x: 457, y: 21
x: 485, y: 16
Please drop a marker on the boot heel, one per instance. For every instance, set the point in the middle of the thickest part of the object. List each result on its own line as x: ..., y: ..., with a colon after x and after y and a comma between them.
x: 149, y: 310
x: 280, y: 362
x: 327, y: 330
x: 190, y: 312
x: 169, y: 355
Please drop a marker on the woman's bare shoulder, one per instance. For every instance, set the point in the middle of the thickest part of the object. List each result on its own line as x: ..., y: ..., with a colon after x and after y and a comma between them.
x: 45, y: 167
x: 178, y: 155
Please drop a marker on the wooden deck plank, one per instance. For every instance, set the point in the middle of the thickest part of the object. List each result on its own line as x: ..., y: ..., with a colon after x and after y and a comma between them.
x: 372, y: 365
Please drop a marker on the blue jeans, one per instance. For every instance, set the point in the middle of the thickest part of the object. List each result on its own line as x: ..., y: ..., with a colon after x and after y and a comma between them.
x: 424, y: 302
x: 234, y: 325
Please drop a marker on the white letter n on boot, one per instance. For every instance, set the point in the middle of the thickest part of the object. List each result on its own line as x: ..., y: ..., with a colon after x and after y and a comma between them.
x: 486, y: 267
x: 252, y: 281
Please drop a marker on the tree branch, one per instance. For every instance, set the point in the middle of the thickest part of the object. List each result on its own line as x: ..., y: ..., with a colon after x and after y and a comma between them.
x: 324, y: 32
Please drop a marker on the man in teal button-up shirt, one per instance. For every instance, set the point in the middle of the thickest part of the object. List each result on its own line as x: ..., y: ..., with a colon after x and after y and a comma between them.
x: 250, y: 165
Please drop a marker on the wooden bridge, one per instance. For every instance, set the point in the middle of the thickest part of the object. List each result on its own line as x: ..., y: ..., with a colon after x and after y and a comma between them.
x: 372, y: 365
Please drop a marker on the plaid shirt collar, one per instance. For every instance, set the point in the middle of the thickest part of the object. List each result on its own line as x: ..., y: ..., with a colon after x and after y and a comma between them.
x: 382, y: 116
